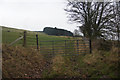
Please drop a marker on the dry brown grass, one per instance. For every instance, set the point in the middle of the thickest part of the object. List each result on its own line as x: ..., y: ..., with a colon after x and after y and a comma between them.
x: 19, y: 62
x: 58, y: 63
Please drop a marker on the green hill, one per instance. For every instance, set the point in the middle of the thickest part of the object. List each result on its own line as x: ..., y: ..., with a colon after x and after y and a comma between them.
x: 27, y: 62
x: 11, y: 34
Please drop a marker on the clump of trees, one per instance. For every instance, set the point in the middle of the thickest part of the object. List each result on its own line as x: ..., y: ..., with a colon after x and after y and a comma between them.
x: 57, y: 32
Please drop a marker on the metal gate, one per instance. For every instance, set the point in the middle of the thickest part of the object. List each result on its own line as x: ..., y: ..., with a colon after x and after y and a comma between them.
x: 64, y: 47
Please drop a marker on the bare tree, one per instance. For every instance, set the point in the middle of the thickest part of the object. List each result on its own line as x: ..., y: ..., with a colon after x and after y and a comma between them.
x: 117, y: 19
x: 94, y: 17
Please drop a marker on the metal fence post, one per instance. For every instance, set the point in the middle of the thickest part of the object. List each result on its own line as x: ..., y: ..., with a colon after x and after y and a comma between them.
x: 37, y: 40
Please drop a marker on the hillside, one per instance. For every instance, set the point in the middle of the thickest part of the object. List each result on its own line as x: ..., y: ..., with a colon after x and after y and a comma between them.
x: 19, y: 62
x: 28, y: 62
x: 11, y: 34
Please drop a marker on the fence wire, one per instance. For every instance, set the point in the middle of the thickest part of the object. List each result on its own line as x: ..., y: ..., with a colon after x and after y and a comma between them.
x: 64, y: 47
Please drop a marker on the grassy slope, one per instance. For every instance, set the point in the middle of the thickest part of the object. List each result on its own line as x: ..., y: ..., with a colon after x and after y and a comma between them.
x: 27, y: 62
x: 100, y: 64
x: 19, y: 62
x: 11, y: 34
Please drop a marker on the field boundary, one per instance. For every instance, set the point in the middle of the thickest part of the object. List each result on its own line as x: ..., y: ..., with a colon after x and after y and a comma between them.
x: 65, y: 47
x: 71, y: 46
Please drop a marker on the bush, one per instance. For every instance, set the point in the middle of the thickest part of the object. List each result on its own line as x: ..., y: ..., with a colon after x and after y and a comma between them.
x: 102, y: 45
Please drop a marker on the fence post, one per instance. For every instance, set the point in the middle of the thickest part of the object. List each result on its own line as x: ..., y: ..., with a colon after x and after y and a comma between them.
x: 24, y: 39
x: 37, y: 40
x: 78, y: 46
x: 90, y: 45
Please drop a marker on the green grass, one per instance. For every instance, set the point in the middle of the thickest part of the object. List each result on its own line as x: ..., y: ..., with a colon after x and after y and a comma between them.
x: 47, y: 41
x: 20, y: 62
x: 10, y: 34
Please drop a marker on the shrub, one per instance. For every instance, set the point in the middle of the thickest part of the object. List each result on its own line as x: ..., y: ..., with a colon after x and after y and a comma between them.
x: 102, y: 45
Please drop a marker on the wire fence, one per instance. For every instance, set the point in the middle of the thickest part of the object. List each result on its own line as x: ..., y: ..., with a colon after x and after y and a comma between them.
x: 64, y: 47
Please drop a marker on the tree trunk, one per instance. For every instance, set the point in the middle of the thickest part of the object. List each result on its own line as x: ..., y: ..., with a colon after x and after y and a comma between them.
x: 118, y: 35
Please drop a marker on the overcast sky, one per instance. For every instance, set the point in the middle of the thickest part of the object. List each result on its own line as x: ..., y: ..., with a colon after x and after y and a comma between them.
x: 34, y: 14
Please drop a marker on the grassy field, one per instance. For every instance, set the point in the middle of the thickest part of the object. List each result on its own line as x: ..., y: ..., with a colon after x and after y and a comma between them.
x: 10, y: 34
x: 27, y: 62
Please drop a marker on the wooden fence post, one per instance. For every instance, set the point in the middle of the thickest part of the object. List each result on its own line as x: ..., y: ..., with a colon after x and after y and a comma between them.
x: 77, y: 47
x: 90, y: 46
x: 37, y: 40
x: 24, y: 39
